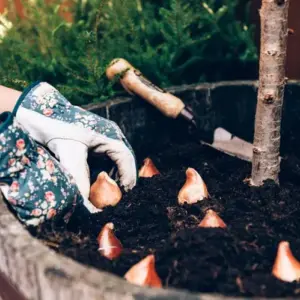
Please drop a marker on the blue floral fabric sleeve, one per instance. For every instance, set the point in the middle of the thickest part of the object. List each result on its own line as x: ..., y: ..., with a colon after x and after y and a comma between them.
x: 48, y: 101
x: 34, y: 183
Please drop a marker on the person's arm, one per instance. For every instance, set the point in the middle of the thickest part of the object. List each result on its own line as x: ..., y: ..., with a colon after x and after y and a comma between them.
x: 8, y: 98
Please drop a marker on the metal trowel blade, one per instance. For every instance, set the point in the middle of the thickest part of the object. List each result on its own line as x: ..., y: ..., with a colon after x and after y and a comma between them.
x: 232, y: 145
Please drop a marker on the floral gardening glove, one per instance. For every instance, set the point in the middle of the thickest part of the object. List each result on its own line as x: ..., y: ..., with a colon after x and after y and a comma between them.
x: 33, y: 182
x: 70, y: 132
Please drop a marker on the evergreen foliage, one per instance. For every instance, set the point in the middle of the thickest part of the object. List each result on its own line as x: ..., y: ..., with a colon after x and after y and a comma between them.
x: 171, y: 41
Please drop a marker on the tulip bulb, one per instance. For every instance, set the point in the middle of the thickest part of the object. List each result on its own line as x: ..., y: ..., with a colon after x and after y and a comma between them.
x: 109, y: 245
x: 286, y: 267
x: 212, y: 220
x: 148, y: 169
x: 144, y: 274
x: 105, y: 192
x: 194, y: 189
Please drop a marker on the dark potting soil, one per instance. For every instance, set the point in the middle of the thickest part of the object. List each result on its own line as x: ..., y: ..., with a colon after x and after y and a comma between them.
x: 233, y: 261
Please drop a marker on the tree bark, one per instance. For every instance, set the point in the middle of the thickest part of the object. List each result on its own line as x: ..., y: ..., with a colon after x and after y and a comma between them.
x: 274, y: 31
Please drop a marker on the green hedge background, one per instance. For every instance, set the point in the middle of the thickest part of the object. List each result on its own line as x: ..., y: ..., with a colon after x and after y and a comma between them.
x: 171, y: 41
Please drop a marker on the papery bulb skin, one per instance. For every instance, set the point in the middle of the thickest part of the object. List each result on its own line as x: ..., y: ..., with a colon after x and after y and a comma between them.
x: 105, y: 192
x: 144, y: 274
x: 194, y: 188
x: 212, y: 220
x: 286, y: 267
x: 109, y: 245
x: 148, y: 169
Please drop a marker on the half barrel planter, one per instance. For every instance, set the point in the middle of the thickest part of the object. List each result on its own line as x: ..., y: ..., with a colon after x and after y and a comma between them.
x: 30, y: 270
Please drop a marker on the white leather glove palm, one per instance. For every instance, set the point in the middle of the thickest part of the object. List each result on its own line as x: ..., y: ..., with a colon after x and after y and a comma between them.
x: 70, y: 132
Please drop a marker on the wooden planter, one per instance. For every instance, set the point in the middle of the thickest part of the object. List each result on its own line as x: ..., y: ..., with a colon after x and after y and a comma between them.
x: 36, y: 272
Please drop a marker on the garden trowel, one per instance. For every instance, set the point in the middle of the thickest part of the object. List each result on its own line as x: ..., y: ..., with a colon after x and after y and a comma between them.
x: 171, y: 106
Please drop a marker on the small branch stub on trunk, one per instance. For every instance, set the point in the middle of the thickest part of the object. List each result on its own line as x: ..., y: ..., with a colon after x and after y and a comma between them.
x: 274, y: 32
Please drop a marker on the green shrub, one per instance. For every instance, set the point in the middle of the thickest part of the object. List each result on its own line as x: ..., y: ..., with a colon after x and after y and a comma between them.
x: 170, y: 41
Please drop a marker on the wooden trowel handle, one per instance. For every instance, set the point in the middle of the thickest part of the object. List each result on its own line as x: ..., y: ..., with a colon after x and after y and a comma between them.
x: 135, y: 83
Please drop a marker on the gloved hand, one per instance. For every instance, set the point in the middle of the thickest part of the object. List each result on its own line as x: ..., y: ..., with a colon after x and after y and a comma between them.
x: 70, y: 132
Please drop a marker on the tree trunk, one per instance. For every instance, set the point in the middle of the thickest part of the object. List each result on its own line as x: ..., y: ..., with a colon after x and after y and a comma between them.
x: 274, y: 31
